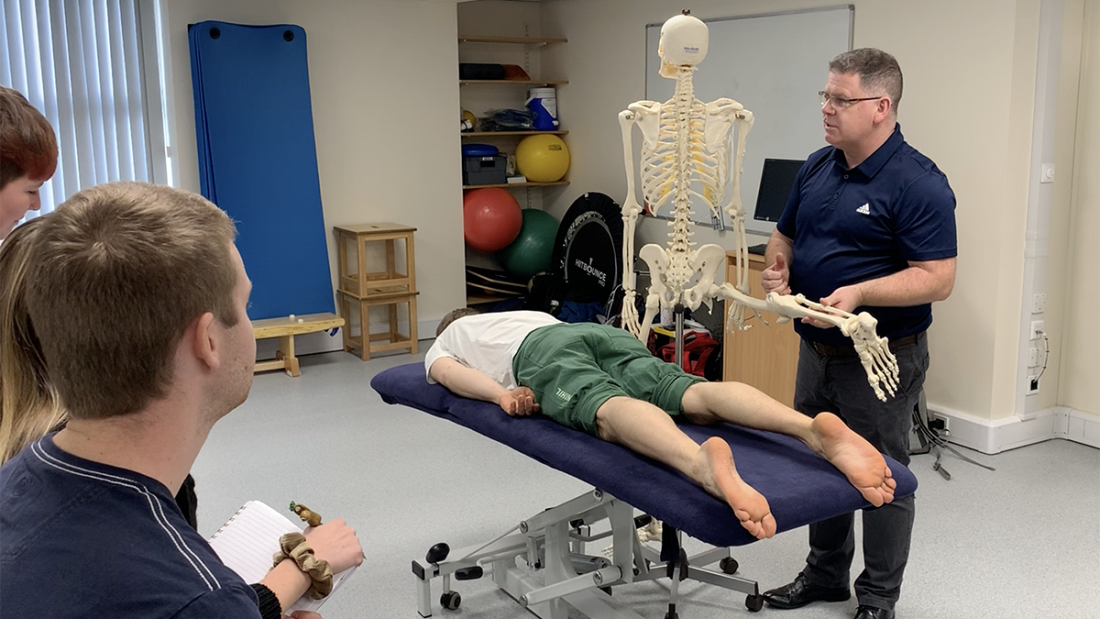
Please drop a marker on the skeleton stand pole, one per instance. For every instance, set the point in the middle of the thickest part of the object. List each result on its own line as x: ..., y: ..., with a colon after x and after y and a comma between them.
x: 678, y: 312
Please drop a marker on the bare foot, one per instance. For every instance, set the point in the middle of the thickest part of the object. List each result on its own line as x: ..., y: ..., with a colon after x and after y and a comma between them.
x: 861, y: 463
x: 715, y: 471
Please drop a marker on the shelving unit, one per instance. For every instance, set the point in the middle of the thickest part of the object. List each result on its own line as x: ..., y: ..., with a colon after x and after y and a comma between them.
x: 507, y: 185
x: 514, y: 82
x: 507, y: 140
x: 502, y: 134
x: 539, y: 41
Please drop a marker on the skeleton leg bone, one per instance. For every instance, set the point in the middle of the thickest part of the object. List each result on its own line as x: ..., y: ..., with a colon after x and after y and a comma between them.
x: 874, y: 352
x: 657, y: 260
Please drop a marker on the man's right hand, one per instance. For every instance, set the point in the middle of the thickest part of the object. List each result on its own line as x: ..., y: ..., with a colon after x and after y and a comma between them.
x: 776, y: 277
x: 519, y: 402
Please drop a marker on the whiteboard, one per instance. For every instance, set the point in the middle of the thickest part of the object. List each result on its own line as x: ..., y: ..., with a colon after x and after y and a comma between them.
x: 774, y: 65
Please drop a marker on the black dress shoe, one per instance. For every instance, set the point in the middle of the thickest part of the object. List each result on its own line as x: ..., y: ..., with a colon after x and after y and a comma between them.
x: 801, y: 592
x: 870, y: 612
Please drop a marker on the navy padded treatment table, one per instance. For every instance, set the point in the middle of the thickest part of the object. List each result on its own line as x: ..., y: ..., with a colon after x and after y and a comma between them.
x: 800, y: 486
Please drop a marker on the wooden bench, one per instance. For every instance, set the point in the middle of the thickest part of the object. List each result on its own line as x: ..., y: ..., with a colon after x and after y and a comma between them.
x: 285, y: 329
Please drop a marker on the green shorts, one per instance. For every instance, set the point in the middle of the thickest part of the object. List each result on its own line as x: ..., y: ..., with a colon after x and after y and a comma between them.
x: 575, y: 368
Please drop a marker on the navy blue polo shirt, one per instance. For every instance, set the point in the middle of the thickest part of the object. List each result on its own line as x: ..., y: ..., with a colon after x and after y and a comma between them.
x: 82, y: 539
x: 867, y: 222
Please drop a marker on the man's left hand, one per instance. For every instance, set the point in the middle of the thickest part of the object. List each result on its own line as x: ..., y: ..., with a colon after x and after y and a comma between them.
x: 845, y: 298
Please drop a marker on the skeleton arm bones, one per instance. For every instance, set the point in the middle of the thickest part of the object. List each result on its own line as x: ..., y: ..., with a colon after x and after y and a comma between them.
x: 721, y: 116
x: 636, y: 113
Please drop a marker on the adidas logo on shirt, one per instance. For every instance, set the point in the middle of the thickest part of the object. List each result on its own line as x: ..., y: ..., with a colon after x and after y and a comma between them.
x: 865, y: 209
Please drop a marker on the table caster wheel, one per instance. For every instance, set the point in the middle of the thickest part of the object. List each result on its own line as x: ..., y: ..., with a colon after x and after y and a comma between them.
x: 729, y: 565
x: 450, y: 600
x: 754, y: 602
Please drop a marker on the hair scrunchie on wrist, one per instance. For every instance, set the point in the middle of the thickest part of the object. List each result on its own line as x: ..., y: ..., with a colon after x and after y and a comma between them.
x: 294, y: 546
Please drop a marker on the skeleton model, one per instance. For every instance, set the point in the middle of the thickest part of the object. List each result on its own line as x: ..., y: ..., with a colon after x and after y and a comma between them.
x: 686, y: 141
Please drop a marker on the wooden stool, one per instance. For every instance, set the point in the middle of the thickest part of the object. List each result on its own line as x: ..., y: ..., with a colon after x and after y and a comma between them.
x: 391, y: 339
x: 285, y: 329
x: 361, y: 288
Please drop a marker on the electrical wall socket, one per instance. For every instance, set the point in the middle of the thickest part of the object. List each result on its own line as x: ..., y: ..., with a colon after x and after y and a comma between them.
x: 1036, y: 328
x: 1046, y: 173
x: 1032, y: 384
x: 943, y: 423
x: 1038, y: 303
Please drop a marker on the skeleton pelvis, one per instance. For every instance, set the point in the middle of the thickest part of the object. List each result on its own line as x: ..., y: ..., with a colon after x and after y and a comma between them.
x: 679, y: 276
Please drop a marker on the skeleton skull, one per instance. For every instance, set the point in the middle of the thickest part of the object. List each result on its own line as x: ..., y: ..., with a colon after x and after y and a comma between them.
x: 684, y: 41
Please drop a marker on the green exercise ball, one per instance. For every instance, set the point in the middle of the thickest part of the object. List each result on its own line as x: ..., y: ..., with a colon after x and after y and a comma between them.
x: 530, y: 253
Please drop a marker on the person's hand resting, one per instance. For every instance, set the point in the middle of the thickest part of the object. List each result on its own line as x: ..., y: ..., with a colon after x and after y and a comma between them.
x: 303, y: 614
x: 336, y: 543
x: 776, y: 277
x: 845, y: 298
x: 519, y: 402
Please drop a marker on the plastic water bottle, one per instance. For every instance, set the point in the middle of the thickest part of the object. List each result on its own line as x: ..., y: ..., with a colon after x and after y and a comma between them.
x: 543, y: 103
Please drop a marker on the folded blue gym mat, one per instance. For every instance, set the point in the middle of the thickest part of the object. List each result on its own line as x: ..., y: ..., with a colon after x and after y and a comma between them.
x: 258, y: 159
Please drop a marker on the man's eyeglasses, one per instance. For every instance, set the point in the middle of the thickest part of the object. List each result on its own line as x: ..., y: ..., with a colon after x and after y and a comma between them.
x: 840, y: 102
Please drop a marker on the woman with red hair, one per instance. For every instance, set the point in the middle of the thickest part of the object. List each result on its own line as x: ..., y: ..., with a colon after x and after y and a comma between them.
x: 28, y: 157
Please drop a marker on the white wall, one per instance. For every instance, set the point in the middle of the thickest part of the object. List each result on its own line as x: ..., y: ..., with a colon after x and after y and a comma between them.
x: 968, y: 104
x: 1079, y: 387
x: 386, y: 101
x: 383, y: 81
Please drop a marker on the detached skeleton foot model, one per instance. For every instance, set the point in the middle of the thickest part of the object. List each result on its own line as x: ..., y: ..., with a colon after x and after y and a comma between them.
x: 686, y: 141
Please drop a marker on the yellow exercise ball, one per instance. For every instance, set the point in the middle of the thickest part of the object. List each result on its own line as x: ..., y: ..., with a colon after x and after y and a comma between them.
x: 469, y: 121
x: 542, y: 158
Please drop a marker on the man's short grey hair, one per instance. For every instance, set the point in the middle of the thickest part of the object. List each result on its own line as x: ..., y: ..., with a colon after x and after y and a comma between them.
x: 452, y: 316
x: 879, y: 72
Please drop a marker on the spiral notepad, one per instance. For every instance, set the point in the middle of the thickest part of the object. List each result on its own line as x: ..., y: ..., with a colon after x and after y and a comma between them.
x: 246, y: 542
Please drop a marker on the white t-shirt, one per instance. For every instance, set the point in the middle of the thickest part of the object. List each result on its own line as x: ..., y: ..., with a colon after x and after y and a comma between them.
x: 487, y: 342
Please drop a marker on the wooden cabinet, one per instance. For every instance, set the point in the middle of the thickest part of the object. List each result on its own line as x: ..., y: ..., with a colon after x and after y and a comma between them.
x: 765, y: 357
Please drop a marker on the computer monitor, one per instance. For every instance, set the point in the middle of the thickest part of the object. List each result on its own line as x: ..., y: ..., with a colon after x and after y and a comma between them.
x: 776, y: 182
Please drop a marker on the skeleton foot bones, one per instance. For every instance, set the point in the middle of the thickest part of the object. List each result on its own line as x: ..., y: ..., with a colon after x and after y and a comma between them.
x: 874, y: 351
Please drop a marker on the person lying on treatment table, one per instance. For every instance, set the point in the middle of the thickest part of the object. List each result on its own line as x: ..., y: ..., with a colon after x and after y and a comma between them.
x: 602, y: 380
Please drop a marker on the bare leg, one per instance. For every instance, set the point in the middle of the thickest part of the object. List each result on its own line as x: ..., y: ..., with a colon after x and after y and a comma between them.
x: 826, y: 433
x: 648, y: 430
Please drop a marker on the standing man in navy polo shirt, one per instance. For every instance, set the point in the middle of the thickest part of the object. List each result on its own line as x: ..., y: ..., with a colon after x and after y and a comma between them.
x: 870, y: 225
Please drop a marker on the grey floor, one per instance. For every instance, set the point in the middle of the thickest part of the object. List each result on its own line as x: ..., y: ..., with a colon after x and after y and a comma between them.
x: 1021, y: 542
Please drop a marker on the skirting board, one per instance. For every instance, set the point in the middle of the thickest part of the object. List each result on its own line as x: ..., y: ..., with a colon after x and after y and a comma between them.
x: 992, y: 436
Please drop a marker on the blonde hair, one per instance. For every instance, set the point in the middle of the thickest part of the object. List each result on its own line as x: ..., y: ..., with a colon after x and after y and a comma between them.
x: 29, y: 405
x: 117, y: 274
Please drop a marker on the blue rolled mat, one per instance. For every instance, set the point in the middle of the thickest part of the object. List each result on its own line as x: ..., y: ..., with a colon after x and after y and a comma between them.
x: 258, y: 159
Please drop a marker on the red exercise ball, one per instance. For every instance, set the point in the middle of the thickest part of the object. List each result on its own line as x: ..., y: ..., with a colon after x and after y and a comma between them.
x: 491, y: 218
